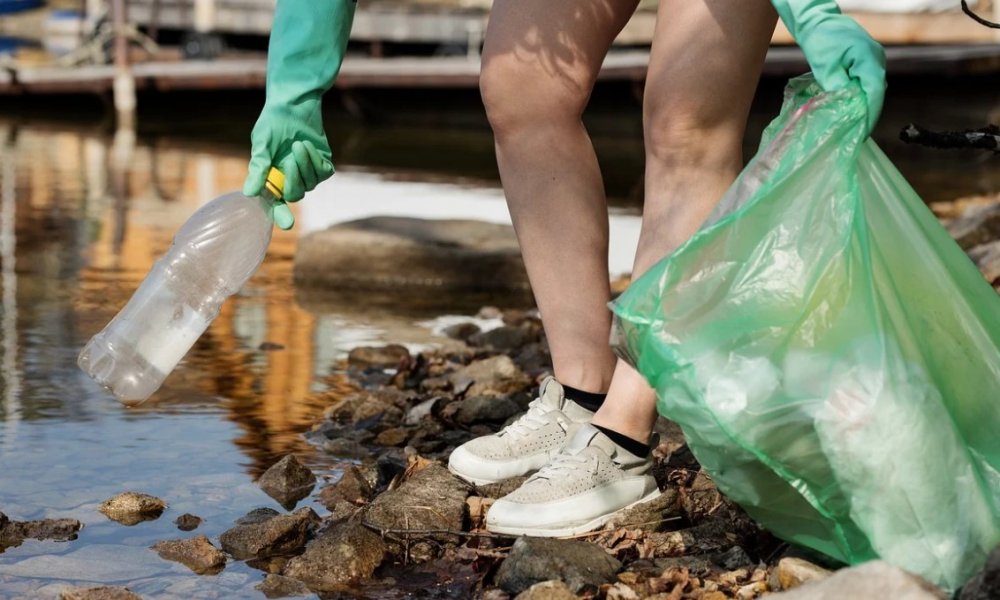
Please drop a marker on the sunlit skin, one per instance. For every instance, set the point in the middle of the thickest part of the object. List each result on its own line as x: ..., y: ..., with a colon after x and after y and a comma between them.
x: 540, y: 63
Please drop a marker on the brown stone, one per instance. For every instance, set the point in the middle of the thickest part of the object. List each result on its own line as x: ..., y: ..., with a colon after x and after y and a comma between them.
x: 197, y: 554
x: 131, y: 508
x: 103, y: 592
x: 276, y: 536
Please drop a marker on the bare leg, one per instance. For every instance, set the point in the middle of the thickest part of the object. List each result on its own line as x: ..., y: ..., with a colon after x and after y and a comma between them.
x: 704, y: 67
x: 540, y: 61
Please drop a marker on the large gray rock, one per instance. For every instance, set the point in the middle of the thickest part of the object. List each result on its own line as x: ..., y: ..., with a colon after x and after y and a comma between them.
x: 577, y: 563
x: 287, y: 481
x: 341, y: 555
x: 197, y: 554
x: 275, y: 536
x: 393, y: 252
x: 431, y: 498
x: 875, y: 580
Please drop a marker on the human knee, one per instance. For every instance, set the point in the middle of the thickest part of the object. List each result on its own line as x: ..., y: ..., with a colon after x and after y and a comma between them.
x: 684, y: 133
x: 519, y: 98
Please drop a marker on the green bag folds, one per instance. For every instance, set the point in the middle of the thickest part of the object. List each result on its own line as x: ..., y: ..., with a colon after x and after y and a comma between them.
x: 832, y: 356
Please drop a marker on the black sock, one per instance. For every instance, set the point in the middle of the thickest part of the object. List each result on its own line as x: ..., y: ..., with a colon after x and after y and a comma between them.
x: 634, y: 446
x: 588, y: 400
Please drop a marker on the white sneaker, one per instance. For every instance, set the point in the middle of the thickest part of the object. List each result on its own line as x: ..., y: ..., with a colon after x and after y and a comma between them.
x: 580, y: 490
x: 525, y: 445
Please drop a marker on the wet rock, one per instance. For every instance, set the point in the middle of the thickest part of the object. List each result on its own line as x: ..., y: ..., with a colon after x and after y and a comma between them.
x: 398, y: 252
x: 491, y: 409
x: 130, y: 508
x: 979, y: 225
x: 103, y: 592
x: 257, y: 515
x: 655, y: 515
x: 279, y: 586
x: 461, y: 331
x: 352, y: 487
x: 394, y: 436
x: 732, y: 559
x: 276, y: 536
x: 986, y: 584
x: 197, y: 554
x: 792, y: 572
x: 393, y: 356
x: 431, y: 498
x: 287, y: 481
x: 272, y: 564
x: 577, y: 563
x: 875, y: 579
x: 504, y: 338
x: 345, y: 448
x: 187, y: 522
x: 343, y: 410
x: 343, y: 554
x: 547, y: 590
x: 13, y: 533
x: 494, y: 376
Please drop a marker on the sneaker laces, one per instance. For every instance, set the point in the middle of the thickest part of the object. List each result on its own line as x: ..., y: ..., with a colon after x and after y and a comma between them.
x: 531, y: 421
x: 565, y: 463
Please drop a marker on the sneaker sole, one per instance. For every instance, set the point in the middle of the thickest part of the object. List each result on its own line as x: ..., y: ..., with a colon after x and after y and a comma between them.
x: 572, y: 530
x: 472, y: 480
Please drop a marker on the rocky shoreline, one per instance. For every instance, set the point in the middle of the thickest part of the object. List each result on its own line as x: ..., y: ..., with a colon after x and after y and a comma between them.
x: 397, y: 523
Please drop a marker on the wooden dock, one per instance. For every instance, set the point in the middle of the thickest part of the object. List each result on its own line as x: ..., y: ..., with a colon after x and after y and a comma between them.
x: 439, y: 72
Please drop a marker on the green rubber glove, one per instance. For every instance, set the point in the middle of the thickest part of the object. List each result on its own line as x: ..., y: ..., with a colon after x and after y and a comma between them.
x: 837, y: 48
x: 308, y: 41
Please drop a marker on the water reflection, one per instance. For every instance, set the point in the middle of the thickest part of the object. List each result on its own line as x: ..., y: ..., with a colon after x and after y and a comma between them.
x: 11, y: 379
x: 84, y: 216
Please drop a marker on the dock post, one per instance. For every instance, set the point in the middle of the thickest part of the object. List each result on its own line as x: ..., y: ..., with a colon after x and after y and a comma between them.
x: 124, y: 83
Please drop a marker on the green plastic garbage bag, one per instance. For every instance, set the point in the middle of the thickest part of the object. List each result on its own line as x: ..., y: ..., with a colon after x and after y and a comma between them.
x: 831, y: 354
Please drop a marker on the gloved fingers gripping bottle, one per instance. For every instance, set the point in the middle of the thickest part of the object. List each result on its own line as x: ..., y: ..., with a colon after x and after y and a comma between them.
x: 837, y: 48
x: 212, y: 255
x: 307, y: 46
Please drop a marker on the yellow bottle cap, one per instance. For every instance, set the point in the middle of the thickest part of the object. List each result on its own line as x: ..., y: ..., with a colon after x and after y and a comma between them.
x: 275, y: 183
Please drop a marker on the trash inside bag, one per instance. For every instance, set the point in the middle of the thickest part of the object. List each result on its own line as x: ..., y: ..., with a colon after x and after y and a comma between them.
x: 831, y: 354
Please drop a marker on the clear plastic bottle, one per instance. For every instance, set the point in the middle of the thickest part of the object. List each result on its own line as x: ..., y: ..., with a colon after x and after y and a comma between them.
x: 213, y: 254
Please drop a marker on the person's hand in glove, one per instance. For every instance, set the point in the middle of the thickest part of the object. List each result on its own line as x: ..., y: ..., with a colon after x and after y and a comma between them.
x: 306, y: 49
x: 837, y: 48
